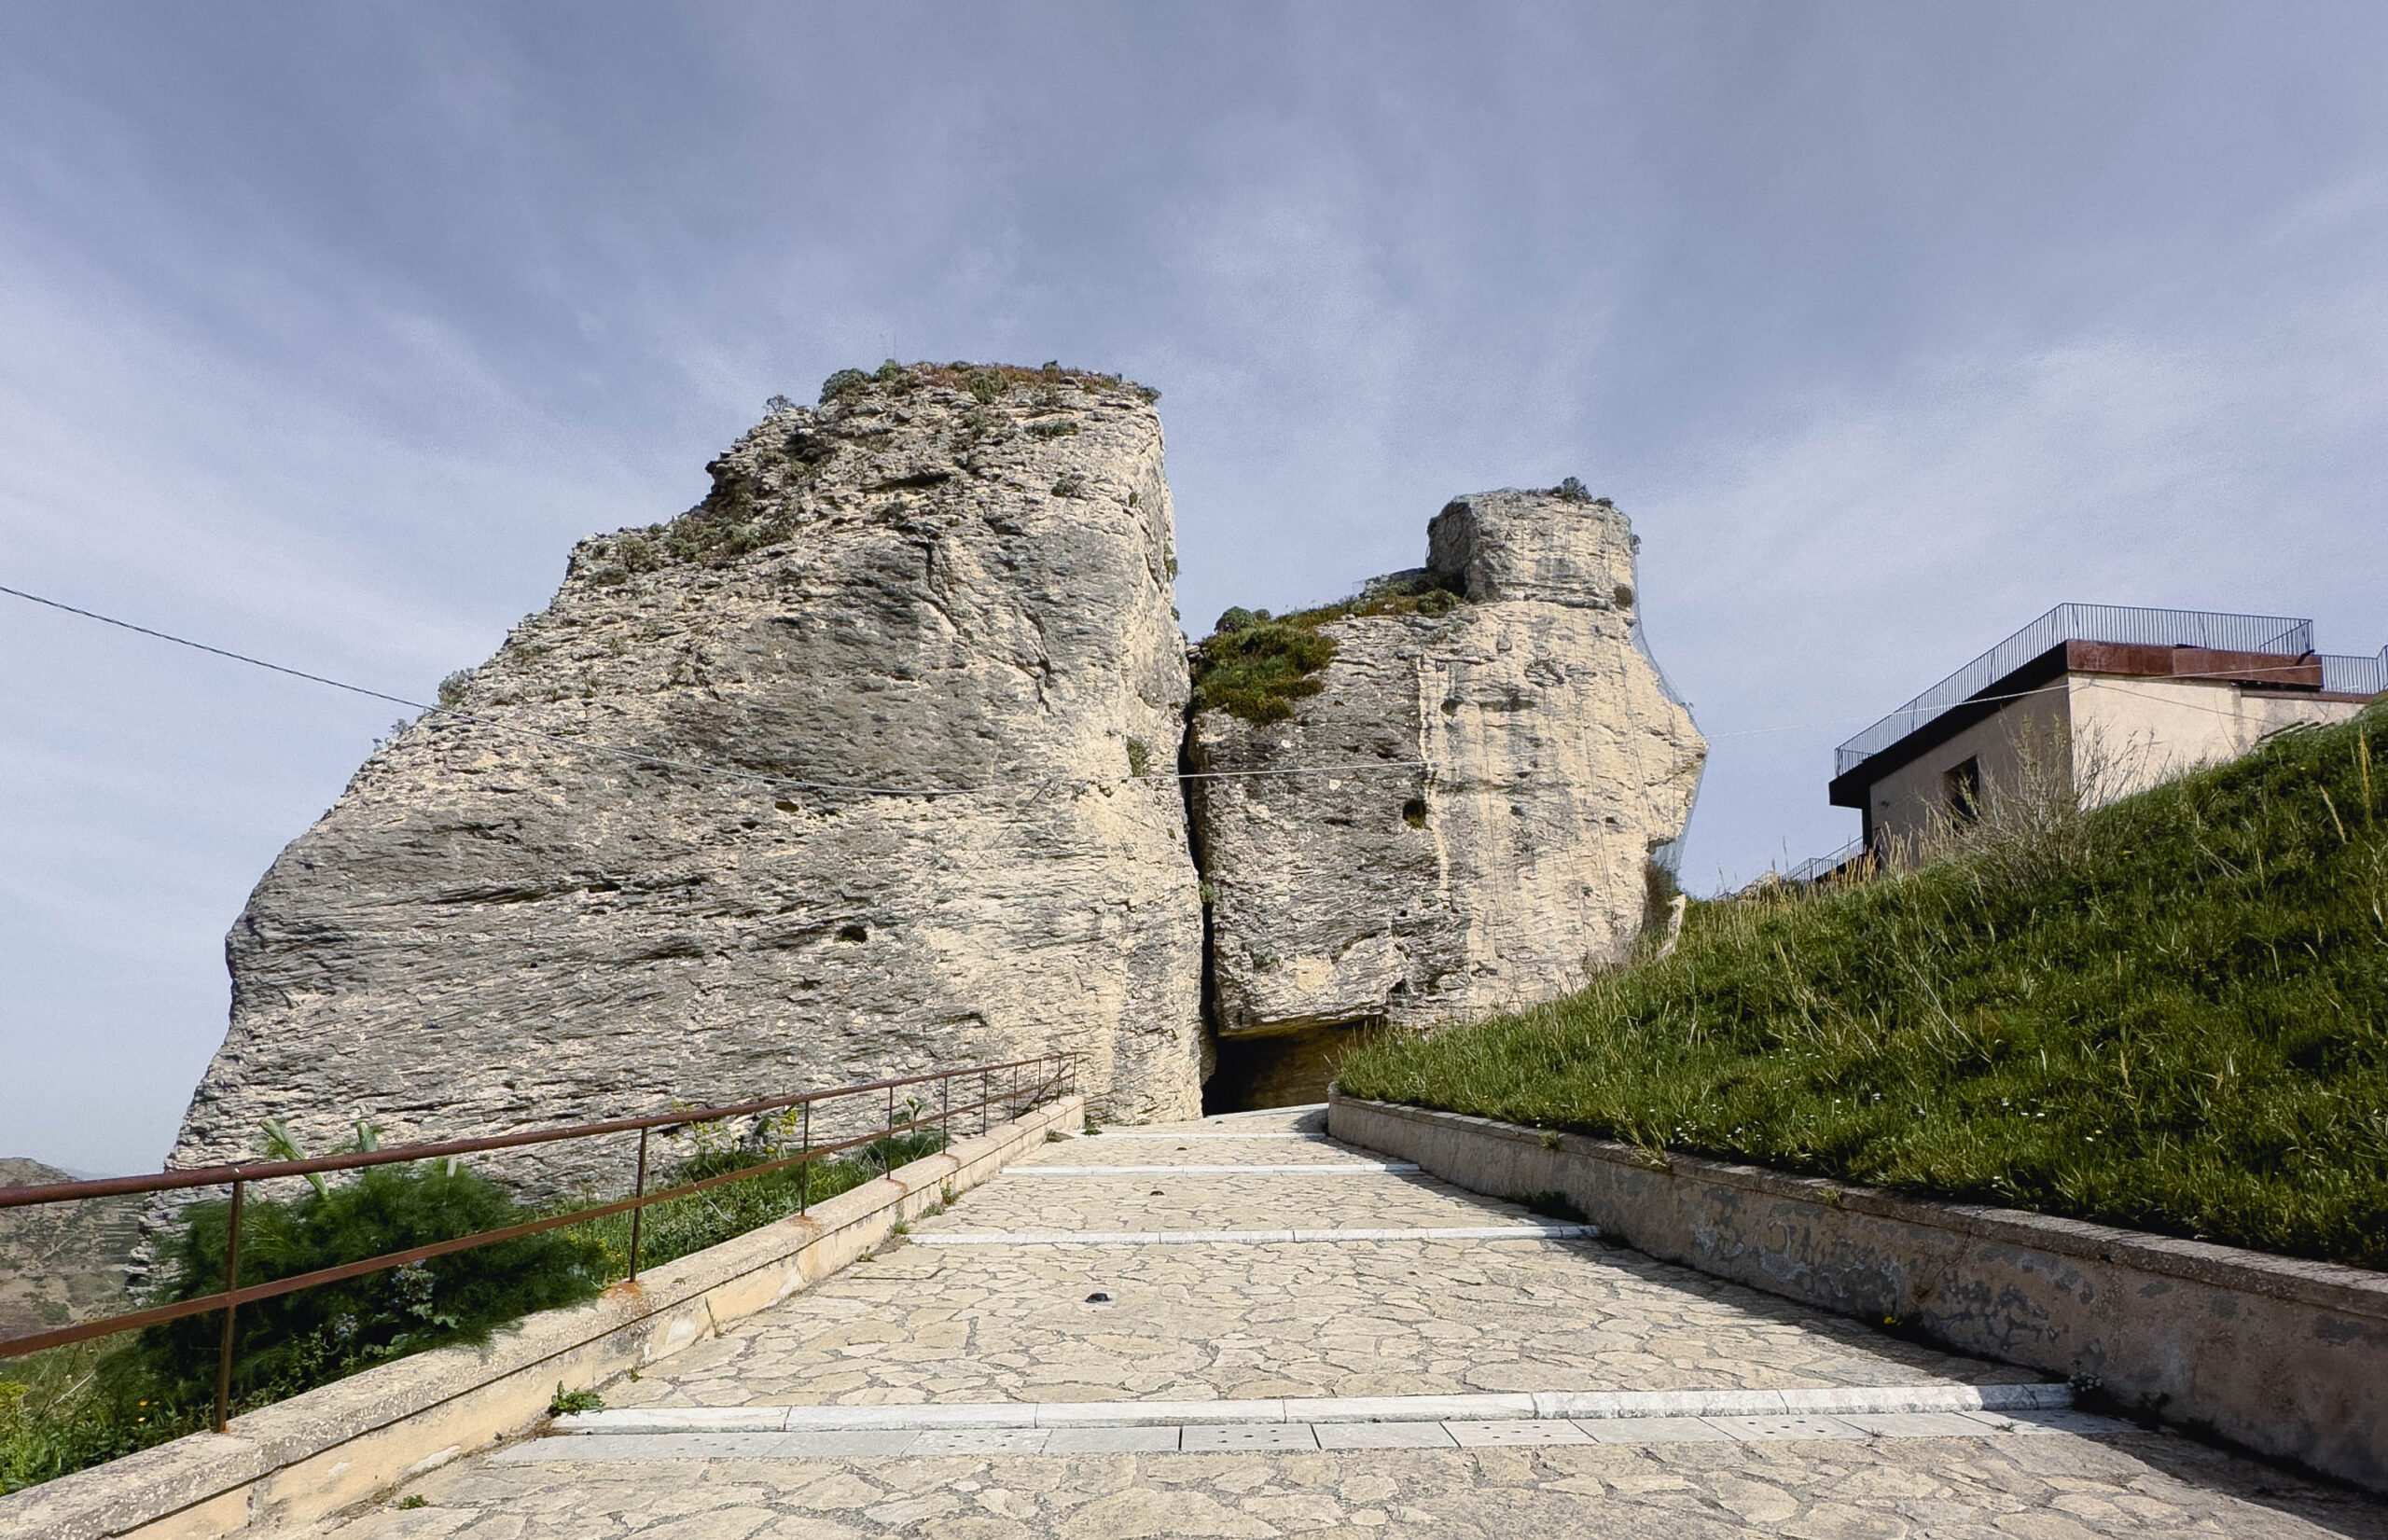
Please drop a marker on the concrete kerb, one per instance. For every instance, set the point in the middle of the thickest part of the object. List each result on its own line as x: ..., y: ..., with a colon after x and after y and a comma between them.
x: 2283, y: 1356
x: 345, y: 1442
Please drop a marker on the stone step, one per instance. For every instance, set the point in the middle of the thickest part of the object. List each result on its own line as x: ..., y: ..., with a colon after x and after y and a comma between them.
x: 1107, y: 1135
x: 1255, y: 1236
x: 1355, y: 1423
x: 1323, y: 1167
x: 1594, y: 1406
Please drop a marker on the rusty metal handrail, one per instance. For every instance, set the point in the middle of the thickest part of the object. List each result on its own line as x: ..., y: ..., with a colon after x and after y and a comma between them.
x: 1054, y: 1071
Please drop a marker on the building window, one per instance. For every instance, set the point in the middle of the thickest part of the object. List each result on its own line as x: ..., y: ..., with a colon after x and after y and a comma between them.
x: 1961, y: 785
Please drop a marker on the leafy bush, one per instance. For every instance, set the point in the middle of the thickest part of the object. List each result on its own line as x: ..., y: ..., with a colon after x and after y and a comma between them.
x: 309, y: 1338
x: 2170, y: 1013
x: 77, y: 1406
x: 707, y: 1218
x: 843, y: 383
x: 451, y: 689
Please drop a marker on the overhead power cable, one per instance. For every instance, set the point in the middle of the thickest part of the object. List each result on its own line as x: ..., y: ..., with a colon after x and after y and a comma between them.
x: 636, y: 756
x: 783, y: 783
x: 220, y: 652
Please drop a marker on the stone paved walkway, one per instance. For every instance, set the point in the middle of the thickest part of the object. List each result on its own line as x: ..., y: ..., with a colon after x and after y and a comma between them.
x: 937, y: 1325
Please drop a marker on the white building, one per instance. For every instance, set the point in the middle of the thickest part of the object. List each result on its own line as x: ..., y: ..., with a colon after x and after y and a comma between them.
x: 2121, y: 699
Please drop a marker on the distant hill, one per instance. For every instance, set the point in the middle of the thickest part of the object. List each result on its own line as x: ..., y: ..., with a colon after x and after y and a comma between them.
x: 60, y: 1262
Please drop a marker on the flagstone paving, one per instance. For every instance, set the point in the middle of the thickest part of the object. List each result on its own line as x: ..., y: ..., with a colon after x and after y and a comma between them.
x: 1076, y: 1323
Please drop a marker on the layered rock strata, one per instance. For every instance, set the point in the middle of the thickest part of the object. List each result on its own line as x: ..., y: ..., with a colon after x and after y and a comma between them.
x: 1463, y: 815
x: 840, y: 775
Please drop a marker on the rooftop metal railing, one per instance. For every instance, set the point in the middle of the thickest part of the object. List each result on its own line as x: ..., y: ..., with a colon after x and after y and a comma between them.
x: 2280, y: 635
x: 2345, y: 676
x: 1015, y: 1086
x: 1816, y: 868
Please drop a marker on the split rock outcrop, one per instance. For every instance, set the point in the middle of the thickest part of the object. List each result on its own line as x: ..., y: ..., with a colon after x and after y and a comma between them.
x: 840, y: 775
x: 1457, y: 810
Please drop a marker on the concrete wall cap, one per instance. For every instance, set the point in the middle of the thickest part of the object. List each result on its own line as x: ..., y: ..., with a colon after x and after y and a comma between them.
x: 2330, y: 1284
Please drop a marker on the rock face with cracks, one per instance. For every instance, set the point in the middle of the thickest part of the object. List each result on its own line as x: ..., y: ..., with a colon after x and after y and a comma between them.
x: 840, y: 775
x: 1491, y: 778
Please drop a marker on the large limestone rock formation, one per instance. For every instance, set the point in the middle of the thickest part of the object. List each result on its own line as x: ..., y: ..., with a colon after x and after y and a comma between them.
x: 837, y: 776
x: 1483, y: 774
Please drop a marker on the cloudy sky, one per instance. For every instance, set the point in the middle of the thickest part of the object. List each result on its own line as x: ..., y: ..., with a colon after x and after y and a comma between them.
x: 325, y: 331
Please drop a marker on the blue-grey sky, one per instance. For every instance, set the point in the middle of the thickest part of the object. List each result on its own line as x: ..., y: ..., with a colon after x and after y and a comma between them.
x: 325, y: 330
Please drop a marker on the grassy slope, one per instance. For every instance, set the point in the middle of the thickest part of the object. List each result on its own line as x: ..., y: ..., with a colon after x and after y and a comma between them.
x: 2173, y: 1016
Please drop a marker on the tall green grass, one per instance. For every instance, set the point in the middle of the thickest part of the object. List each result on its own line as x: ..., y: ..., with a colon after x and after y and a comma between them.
x: 2169, y: 1014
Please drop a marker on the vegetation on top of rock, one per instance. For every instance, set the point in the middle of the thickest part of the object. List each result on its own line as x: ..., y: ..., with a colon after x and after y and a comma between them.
x: 741, y: 514
x: 1256, y: 666
x: 2170, y: 1014
x: 984, y: 383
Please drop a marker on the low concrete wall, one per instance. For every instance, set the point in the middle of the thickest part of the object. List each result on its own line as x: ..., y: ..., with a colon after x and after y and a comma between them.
x: 346, y: 1442
x: 2284, y: 1357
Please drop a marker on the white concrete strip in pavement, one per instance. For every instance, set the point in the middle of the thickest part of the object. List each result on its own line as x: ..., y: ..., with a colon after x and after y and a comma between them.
x: 1108, y: 1134
x: 1322, y: 1168
x: 866, y: 1443
x: 1266, y: 1111
x: 1547, y: 1406
x: 1256, y: 1238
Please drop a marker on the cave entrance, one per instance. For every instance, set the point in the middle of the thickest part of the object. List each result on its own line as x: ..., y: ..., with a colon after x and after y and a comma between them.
x: 1280, y: 1069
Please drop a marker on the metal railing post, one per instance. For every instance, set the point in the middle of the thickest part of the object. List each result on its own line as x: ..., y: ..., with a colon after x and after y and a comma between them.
x: 237, y: 1177
x: 638, y: 1191
x: 231, y: 1283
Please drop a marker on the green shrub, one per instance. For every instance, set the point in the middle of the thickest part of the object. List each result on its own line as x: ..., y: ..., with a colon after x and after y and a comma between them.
x: 1069, y: 484
x: 1257, y: 671
x: 987, y: 386
x: 294, y: 1341
x: 2169, y: 1014
x: 1054, y: 427
x: 1256, y: 667
x: 1140, y: 757
x: 451, y: 689
x: 843, y: 383
x: 74, y: 1407
x: 707, y: 1218
x: 77, y: 1406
